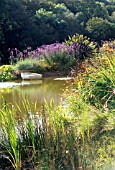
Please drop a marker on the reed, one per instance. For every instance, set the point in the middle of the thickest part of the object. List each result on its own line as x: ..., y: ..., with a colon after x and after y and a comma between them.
x: 59, y: 138
x: 10, y: 144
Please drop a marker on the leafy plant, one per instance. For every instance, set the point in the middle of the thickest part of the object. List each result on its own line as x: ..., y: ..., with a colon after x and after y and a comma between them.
x: 60, y: 60
x: 10, y: 137
x: 82, y: 45
x: 55, y: 56
x: 101, y: 82
x: 6, y: 73
x: 29, y: 64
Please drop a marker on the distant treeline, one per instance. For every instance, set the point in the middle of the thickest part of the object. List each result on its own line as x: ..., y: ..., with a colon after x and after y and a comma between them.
x: 36, y: 22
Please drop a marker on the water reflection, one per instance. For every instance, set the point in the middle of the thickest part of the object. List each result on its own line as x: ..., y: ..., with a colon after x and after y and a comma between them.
x: 28, y: 82
x: 34, y: 91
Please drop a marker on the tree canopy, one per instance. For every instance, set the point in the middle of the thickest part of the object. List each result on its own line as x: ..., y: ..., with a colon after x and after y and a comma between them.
x: 36, y: 22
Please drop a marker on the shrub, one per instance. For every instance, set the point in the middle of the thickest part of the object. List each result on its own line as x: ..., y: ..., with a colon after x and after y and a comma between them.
x: 55, y: 56
x: 96, y: 78
x: 59, y: 57
x: 30, y: 64
x: 83, y: 47
x: 101, y: 81
x: 6, y: 73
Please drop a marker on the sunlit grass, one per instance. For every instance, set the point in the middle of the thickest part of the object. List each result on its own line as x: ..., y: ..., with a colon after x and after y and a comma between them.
x: 60, y: 138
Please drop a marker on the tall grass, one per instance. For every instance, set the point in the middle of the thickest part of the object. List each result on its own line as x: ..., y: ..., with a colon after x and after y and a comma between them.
x: 10, y: 135
x: 40, y: 139
x: 59, y: 138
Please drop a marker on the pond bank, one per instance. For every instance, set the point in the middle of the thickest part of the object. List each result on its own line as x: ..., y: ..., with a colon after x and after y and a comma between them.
x: 44, y: 74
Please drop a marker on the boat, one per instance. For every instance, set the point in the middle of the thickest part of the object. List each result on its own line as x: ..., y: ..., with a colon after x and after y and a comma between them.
x: 31, y: 76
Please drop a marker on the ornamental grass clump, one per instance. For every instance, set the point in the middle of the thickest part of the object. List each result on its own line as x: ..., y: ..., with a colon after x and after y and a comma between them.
x: 29, y: 64
x: 10, y: 145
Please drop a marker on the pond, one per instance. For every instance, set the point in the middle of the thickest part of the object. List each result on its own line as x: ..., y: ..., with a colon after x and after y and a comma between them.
x: 33, y: 91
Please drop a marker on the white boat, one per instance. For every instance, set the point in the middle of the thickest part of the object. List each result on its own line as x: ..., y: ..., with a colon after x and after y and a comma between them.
x: 31, y: 76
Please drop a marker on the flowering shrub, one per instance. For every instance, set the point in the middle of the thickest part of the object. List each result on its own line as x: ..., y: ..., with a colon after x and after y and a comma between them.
x: 82, y: 46
x: 57, y: 56
x: 97, y: 82
x: 6, y: 73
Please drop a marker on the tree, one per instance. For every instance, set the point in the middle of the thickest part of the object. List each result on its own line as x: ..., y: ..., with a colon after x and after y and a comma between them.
x: 100, y: 29
x: 60, y: 18
x: 35, y: 22
x: 112, y: 17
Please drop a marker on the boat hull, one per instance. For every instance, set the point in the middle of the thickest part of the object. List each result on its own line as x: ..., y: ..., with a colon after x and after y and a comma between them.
x: 31, y: 76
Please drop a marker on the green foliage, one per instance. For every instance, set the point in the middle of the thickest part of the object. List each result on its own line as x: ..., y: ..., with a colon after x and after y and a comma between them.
x: 45, y: 16
x: 102, y: 89
x: 83, y: 46
x: 57, y: 137
x: 6, y: 73
x: 60, y: 62
x: 34, y: 23
x: 30, y: 65
x: 77, y: 133
x: 59, y: 17
x: 112, y: 17
x: 98, y: 27
x: 101, y: 82
x: 9, y: 129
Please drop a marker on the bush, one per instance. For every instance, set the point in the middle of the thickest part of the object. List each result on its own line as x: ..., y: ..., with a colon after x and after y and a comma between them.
x: 51, y: 57
x: 60, y: 57
x: 83, y: 47
x: 30, y: 64
x: 96, y: 78
x: 6, y: 73
x: 101, y: 82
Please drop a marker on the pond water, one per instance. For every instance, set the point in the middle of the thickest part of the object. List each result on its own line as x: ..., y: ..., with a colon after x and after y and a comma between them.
x: 33, y: 91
